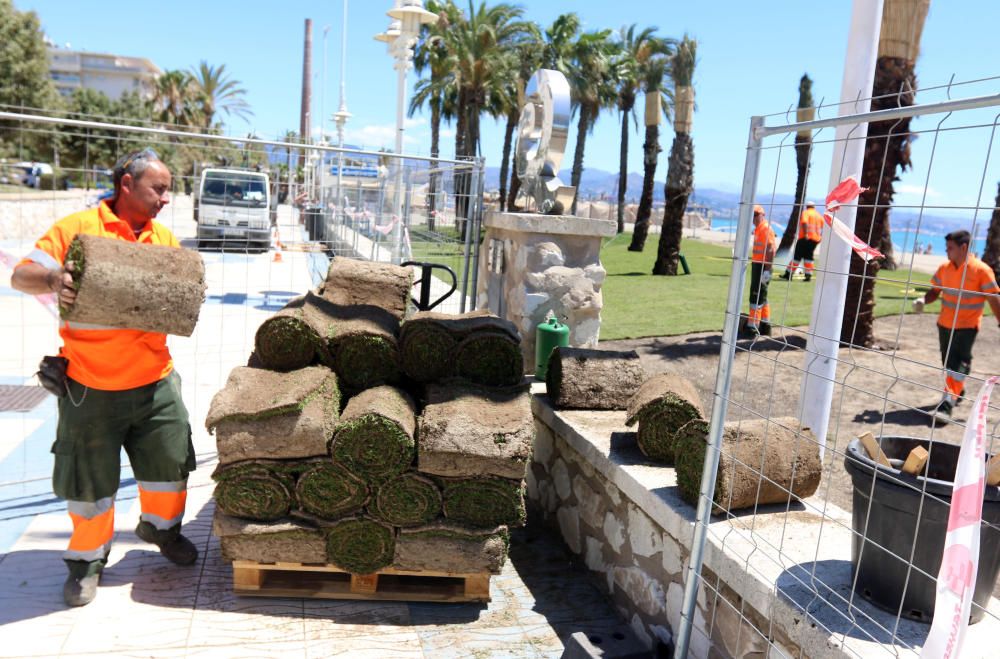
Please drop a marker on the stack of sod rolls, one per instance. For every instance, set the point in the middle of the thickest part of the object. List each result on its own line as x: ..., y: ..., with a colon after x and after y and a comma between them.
x: 422, y: 472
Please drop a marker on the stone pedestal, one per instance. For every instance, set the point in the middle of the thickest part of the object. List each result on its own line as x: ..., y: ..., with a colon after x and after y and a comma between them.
x: 531, y: 264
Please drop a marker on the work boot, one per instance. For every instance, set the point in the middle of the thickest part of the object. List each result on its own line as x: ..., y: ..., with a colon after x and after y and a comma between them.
x: 81, y: 584
x: 787, y: 275
x: 753, y: 331
x: 765, y: 328
x: 808, y: 277
x: 173, y: 546
x: 942, y: 414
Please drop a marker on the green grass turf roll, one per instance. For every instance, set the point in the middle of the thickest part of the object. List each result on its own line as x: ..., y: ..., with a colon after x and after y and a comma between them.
x: 375, y: 436
x: 329, y: 491
x: 484, y: 502
x: 662, y: 405
x: 490, y: 358
x: 427, y: 351
x: 407, y: 500
x: 360, y: 545
x: 253, y: 491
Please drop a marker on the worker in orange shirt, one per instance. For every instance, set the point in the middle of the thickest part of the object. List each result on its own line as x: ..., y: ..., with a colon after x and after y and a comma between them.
x: 810, y: 233
x: 964, y: 284
x: 761, y: 260
x: 120, y: 391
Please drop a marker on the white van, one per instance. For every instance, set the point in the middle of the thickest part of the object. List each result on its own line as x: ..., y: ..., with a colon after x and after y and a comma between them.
x: 231, y: 207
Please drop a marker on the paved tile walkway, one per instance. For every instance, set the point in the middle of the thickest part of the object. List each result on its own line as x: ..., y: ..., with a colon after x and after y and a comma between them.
x: 149, y: 607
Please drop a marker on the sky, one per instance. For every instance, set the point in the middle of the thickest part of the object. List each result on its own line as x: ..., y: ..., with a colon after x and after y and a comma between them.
x: 750, y: 59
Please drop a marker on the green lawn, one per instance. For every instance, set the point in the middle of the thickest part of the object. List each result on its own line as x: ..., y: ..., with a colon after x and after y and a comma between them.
x: 638, y: 304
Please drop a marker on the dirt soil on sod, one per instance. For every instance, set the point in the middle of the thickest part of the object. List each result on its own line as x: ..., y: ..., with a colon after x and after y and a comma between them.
x: 767, y: 380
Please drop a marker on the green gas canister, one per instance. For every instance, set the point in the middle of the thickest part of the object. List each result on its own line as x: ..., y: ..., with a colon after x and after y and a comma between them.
x: 549, y: 335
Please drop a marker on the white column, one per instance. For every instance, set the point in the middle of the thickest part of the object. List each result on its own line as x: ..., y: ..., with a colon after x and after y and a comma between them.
x: 816, y: 395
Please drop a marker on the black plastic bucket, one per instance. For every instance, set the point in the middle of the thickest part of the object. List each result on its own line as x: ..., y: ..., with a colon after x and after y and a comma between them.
x: 880, y: 553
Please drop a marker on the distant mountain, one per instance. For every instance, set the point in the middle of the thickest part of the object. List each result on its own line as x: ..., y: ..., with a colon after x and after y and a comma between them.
x: 597, y: 183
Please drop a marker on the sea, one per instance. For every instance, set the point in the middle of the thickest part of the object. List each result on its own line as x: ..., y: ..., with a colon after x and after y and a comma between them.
x: 903, y: 240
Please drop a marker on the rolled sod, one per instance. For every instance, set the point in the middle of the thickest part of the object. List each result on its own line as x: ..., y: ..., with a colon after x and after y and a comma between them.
x: 584, y: 379
x: 426, y: 350
x: 363, y: 347
x: 428, y: 342
x: 282, y: 541
x: 407, y: 500
x: 375, y: 436
x: 490, y: 358
x: 663, y: 404
x: 295, y: 336
x: 474, y: 431
x: 351, y: 282
x: 273, y: 415
x: 360, y: 545
x: 329, y: 491
x: 452, y: 548
x: 254, y: 490
x: 769, y: 455
x: 122, y: 284
x: 484, y: 502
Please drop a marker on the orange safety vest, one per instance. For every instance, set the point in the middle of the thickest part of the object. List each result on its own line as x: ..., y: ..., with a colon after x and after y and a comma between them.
x: 102, y: 357
x: 811, y: 225
x: 963, y: 292
x: 762, y: 235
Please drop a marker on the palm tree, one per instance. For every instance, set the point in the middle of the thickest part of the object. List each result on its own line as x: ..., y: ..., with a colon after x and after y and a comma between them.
x: 991, y: 255
x: 658, y: 101
x: 432, y: 54
x: 481, y: 44
x: 637, y: 50
x: 680, y: 170
x: 803, y: 147
x: 173, y: 97
x: 593, y: 84
x: 887, y: 150
x: 214, y: 91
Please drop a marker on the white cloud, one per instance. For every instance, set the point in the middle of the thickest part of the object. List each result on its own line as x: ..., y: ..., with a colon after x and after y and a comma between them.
x: 378, y: 135
x: 916, y: 190
x: 447, y: 133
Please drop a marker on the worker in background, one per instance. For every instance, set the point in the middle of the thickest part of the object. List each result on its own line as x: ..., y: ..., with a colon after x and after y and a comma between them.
x: 964, y: 284
x: 121, y: 391
x: 761, y: 260
x: 810, y: 233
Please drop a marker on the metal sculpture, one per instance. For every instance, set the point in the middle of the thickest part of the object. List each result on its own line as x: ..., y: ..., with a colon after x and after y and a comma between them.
x: 541, y: 142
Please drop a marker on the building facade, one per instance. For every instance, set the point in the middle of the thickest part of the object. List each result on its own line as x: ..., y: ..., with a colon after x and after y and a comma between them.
x: 114, y: 75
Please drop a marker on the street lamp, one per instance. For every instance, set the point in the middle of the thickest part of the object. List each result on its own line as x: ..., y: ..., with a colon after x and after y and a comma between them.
x: 341, y: 116
x: 401, y: 37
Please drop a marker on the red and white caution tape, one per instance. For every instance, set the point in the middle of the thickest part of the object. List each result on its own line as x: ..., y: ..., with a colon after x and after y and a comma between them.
x: 956, y: 580
x: 384, y: 229
x: 847, y: 190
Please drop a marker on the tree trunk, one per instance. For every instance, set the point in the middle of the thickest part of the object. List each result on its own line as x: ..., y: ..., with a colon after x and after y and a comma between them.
x: 803, y: 145
x: 460, y: 177
x: 885, y: 246
x: 623, y: 166
x: 991, y: 255
x: 886, y: 149
x: 432, y: 183
x: 508, y: 137
x: 581, y: 142
x: 680, y: 183
x: 650, y: 154
x: 515, y: 188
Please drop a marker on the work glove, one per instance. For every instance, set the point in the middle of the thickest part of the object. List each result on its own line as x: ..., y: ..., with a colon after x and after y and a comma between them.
x: 918, y: 304
x: 52, y: 375
x: 765, y: 277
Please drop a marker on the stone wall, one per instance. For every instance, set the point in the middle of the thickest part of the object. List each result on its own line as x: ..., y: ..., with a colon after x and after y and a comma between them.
x: 786, y: 572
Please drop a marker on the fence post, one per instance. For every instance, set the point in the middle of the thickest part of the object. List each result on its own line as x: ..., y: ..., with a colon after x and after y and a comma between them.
x: 723, y: 380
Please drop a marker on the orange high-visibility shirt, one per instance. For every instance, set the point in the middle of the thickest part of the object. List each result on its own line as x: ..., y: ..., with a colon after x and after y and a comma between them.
x: 963, y: 292
x: 762, y: 235
x: 811, y: 225
x: 102, y: 357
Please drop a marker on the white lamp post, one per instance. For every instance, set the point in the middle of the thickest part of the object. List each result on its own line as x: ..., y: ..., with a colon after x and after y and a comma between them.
x: 341, y: 116
x: 408, y: 16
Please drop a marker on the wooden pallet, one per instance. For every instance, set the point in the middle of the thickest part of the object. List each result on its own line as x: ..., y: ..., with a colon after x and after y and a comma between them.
x: 318, y: 581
